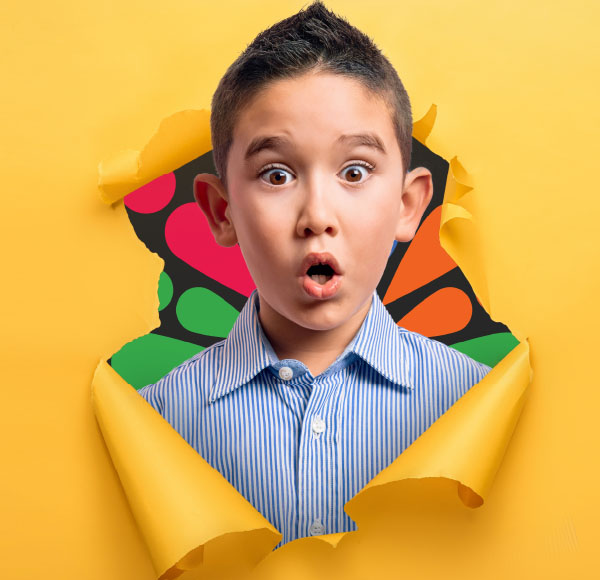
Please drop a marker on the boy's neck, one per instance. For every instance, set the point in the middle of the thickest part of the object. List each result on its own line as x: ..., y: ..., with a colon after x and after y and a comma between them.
x: 317, y: 349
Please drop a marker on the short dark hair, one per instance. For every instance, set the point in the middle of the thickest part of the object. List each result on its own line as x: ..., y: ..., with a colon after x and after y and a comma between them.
x: 313, y: 39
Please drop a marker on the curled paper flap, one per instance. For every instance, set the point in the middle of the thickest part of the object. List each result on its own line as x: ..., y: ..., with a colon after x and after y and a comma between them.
x: 468, y: 442
x: 179, y: 139
x: 459, y: 182
x: 188, y: 513
x: 423, y: 127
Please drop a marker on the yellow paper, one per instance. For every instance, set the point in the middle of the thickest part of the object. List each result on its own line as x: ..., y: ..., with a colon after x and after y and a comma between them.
x: 516, y: 93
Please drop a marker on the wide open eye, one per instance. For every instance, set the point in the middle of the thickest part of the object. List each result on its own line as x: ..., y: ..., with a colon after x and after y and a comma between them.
x: 356, y: 173
x: 276, y: 176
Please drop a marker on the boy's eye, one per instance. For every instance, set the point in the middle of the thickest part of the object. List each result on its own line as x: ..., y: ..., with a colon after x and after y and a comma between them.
x: 356, y: 173
x: 276, y: 176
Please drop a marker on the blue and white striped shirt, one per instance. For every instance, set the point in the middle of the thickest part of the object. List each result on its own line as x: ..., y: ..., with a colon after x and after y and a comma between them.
x: 298, y: 447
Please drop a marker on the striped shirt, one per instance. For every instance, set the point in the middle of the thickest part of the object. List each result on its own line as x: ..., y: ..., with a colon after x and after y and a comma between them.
x: 298, y: 447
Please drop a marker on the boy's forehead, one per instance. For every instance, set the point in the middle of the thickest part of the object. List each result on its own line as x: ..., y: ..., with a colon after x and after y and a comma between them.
x: 328, y: 109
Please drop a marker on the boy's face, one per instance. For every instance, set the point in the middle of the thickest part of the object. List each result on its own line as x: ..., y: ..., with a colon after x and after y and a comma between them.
x: 315, y: 171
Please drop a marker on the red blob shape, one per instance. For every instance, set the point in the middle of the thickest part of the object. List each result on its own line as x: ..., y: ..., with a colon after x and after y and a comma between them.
x: 153, y: 196
x: 445, y: 311
x: 190, y: 239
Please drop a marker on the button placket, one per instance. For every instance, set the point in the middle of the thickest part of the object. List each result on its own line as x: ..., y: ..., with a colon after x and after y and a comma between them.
x: 314, y: 461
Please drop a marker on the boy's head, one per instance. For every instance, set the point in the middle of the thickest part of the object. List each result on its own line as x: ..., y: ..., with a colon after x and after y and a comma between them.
x: 314, y: 39
x: 311, y: 137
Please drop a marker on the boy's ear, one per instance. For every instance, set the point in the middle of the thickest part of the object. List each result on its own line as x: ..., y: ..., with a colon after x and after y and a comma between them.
x: 211, y: 196
x: 416, y: 195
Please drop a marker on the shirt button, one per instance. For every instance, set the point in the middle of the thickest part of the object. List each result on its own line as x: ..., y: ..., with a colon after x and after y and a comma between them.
x: 318, y: 425
x: 316, y: 528
x: 286, y: 373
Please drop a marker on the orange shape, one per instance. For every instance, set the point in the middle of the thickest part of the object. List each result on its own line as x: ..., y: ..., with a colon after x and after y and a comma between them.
x: 425, y: 260
x: 445, y: 311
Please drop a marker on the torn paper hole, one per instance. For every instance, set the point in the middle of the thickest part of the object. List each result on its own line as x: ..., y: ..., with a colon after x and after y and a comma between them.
x: 201, y: 291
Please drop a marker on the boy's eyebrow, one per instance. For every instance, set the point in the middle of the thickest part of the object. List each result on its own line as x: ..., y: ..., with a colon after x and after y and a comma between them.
x: 259, y: 143
x: 274, y: 142
x: 365, y: 139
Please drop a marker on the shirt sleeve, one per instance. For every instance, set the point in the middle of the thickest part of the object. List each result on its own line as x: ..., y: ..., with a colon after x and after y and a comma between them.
x: 473, y: 370
x: 177, y: 397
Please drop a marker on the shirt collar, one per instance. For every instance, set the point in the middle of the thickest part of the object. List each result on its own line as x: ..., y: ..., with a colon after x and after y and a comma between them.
x: 247, y: 351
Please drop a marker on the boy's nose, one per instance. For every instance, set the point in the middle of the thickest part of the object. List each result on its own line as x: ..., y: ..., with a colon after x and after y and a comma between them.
x: 317, y: 213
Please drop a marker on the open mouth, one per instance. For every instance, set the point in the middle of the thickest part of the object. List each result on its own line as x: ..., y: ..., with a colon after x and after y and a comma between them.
x: 321, y: 273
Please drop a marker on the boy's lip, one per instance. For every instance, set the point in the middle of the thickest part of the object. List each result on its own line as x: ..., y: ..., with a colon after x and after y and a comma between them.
x: 319, y: 258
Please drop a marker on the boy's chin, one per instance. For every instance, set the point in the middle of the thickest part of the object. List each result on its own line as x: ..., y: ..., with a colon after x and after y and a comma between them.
x: 327, y: 315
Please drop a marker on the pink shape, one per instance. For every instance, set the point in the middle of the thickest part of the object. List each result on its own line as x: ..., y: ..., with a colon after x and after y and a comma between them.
x: 153, y: 196
x: 190, y: 239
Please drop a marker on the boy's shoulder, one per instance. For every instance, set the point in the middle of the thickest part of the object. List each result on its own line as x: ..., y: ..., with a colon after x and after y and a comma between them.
x: 449, y: 363
x: 411, y: 359
x: 421, y: 343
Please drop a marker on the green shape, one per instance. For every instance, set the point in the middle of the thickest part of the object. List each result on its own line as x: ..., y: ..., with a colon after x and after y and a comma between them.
x: 489, y: 350
x: 165, y: 290
x: 201, y: 311
x: 150, y: 357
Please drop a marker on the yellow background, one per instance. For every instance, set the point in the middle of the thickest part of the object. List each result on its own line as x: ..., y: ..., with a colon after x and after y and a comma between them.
x: 516, y: 88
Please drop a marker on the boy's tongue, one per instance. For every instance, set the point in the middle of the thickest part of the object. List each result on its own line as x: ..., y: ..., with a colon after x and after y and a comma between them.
x: 320, y: 278
x: 320, y: 273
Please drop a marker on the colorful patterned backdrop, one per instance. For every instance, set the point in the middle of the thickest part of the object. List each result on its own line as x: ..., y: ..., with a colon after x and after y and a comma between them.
x: 204, y: 286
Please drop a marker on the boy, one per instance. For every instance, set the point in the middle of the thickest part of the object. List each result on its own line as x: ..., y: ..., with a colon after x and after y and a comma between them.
x: 316, y: 389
